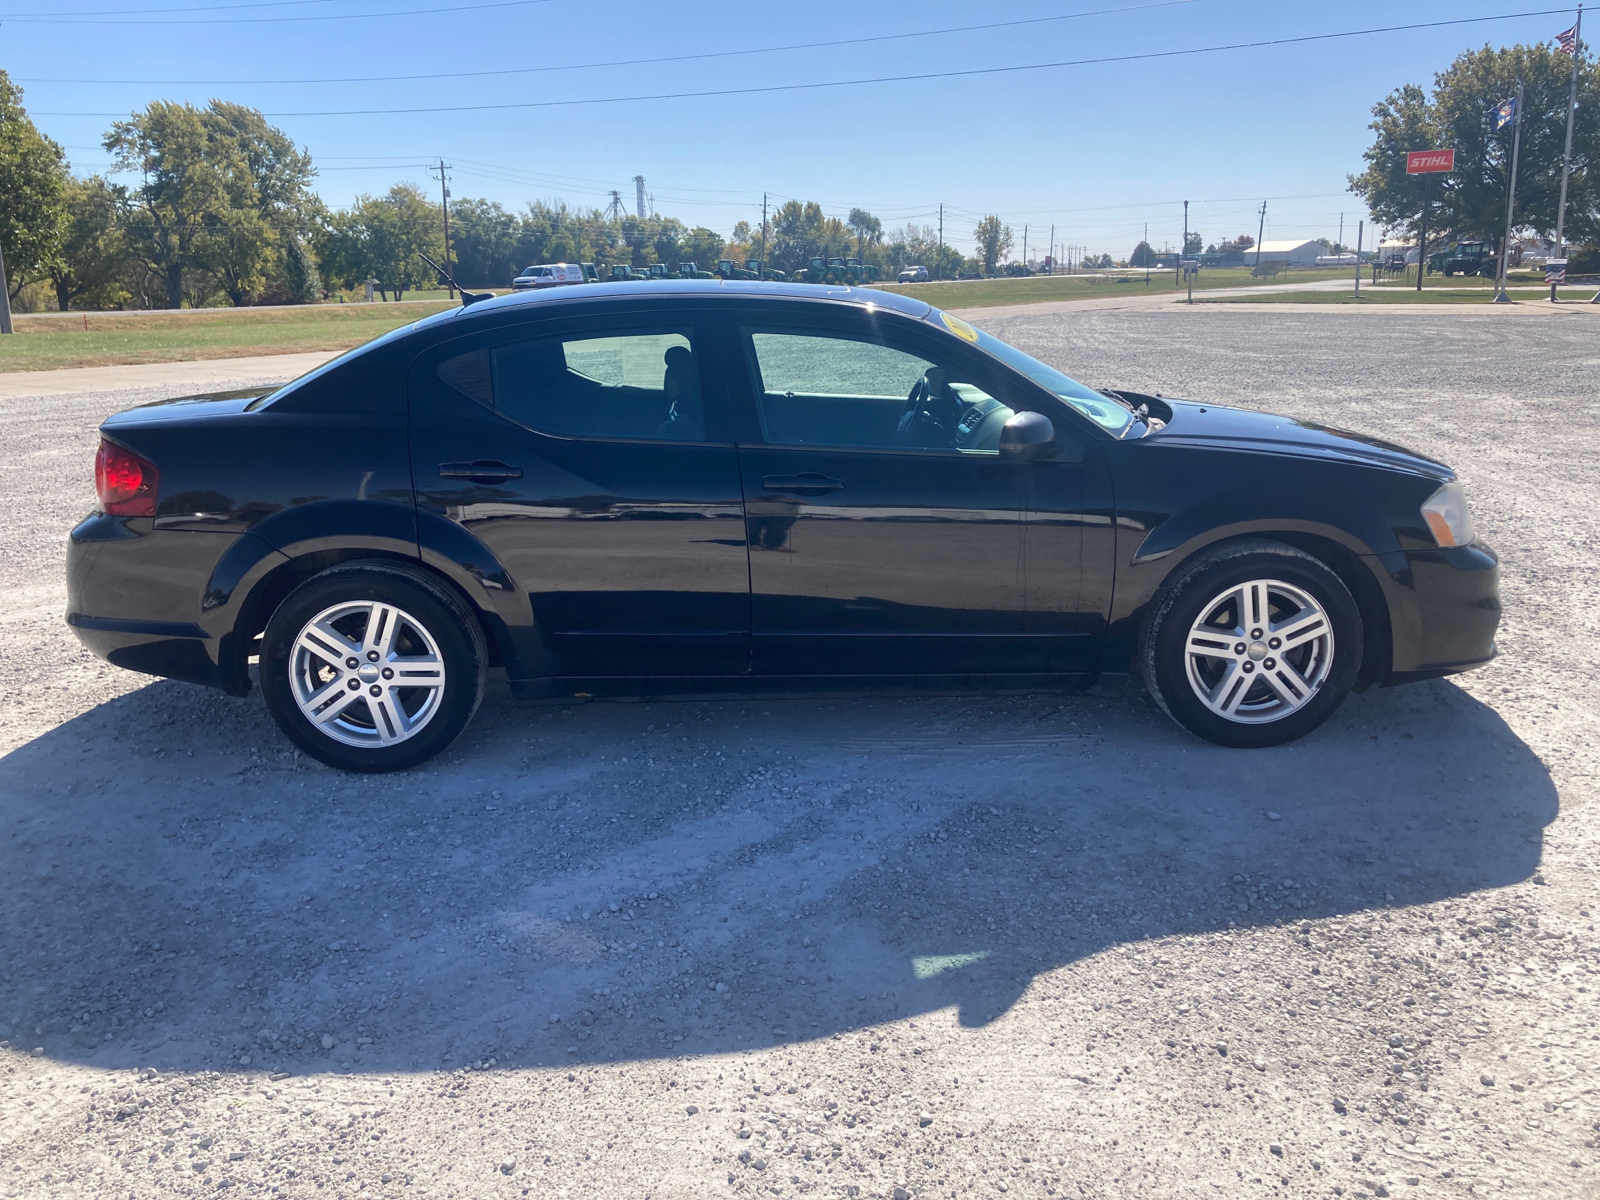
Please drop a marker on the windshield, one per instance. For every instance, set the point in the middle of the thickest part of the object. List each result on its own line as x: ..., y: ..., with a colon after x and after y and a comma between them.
x: 1102, y: 410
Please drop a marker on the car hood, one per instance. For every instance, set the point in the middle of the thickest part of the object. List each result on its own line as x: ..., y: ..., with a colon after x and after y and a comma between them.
x: 185, y: 407
x: 1215, y: 425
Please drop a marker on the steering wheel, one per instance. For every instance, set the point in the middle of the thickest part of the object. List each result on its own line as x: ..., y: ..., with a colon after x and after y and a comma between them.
x: 928, y: 420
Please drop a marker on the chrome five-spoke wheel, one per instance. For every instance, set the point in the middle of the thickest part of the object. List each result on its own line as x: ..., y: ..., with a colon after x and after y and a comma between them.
x: 1259, y: 651
x: 367, y: 674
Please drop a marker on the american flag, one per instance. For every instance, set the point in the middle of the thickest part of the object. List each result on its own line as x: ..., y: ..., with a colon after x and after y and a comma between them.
x: 1567, y: 42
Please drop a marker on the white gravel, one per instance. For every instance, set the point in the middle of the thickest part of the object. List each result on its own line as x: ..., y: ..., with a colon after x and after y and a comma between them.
x: 1028, y: 946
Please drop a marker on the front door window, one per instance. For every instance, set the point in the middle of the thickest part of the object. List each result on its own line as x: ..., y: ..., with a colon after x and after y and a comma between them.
x: 827, y: 390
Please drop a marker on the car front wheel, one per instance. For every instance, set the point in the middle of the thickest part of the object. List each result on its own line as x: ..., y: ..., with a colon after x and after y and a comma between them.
x: 372, y: 667
x: 1253, y: 644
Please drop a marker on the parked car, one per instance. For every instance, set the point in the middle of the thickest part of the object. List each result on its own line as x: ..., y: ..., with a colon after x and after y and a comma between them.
x: 549, y: 275
x: 913, y: 275
x: 692, y: 486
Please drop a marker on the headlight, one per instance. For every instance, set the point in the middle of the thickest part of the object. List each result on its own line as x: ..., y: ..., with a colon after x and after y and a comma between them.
x: 1448, y: 517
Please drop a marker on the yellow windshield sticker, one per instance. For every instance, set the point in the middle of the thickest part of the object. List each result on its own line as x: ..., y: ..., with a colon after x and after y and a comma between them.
x: 959, y: 327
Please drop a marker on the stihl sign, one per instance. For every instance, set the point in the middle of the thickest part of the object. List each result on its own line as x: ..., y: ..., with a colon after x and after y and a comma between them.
x: 1428, y: 162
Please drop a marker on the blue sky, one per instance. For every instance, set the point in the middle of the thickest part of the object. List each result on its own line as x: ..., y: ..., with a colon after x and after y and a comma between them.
x: 1096, y: 150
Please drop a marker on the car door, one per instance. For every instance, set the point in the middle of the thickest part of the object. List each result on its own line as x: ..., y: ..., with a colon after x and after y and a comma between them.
x: 592, y: 457
x: 879, y: 544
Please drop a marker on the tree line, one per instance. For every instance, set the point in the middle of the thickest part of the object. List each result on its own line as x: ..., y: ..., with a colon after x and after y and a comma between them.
x: 224, y: 213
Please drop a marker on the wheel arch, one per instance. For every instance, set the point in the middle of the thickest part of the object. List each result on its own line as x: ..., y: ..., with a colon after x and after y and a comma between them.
x: 275, y: 586
x: 1353, y: 570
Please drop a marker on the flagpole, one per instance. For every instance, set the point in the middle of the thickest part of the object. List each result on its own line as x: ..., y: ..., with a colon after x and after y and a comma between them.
x: 1566, y: 162
x: 1500, y: 296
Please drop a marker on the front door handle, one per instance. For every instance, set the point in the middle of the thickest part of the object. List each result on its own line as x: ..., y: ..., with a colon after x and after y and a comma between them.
x: 810, y: 483
x: 484, y: 470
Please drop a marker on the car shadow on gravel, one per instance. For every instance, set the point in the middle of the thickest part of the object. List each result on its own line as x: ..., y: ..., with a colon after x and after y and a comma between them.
x: 616, y: 882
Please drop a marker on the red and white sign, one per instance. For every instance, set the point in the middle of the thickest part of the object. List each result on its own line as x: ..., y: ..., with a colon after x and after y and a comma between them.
x: 1430, y: 162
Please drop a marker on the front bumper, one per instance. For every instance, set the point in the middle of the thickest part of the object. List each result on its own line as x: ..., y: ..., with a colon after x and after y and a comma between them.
x: 1447, y: 614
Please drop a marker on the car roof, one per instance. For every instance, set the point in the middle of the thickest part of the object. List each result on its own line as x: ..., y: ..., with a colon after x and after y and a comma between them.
x: 678, y: 288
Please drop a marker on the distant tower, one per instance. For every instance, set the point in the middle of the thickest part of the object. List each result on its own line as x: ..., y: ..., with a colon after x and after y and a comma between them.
x: 638, y: 189
x: 614, y: 209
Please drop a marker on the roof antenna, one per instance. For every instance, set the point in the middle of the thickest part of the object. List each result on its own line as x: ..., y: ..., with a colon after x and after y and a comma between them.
x: 466, y: 296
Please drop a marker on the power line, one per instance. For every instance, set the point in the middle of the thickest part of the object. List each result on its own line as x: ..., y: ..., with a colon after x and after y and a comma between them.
x: 921, y: 76
x: 97, y: 19
x: 144, y: 12
x: 612, y: 63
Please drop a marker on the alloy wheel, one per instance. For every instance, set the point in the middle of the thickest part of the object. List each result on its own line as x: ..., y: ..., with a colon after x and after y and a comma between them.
x: 367, y: 673
x: 1259, y: 651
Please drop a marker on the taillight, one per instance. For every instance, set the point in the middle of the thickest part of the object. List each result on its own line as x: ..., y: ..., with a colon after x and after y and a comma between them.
x: 125, y: 483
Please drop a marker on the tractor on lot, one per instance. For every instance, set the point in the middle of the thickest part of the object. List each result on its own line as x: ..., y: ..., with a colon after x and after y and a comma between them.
x: 728, y: 269
x: 691, y: 270
x: 839, y: 270
x: 760, y: 270
x: 624, y: 274
x: 1465, y: 258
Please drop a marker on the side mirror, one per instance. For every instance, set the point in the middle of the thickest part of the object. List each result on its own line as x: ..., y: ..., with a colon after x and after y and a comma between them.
x: 1027, y: 436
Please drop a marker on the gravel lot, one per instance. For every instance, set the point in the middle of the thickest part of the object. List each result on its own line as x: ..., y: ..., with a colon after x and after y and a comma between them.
x: 1035, y: 945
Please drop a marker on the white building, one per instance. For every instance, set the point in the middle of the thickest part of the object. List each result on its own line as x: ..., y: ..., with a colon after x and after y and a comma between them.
x: 1296, y: 254
x: 1390, y: 247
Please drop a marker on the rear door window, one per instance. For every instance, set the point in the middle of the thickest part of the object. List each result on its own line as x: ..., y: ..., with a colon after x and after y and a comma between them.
x: 636, y: 385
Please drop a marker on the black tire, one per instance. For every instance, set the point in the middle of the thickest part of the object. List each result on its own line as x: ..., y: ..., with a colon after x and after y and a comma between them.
x: 1335, y: 661
x: 429, y: 609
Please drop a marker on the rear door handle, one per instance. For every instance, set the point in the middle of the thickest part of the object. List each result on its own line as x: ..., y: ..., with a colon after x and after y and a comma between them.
x: 809, y: 483
x: 484, y: 470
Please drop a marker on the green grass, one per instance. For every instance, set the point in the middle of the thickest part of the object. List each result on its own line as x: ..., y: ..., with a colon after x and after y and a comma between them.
x: 48, y: 343
x: 1038, y: 289
x: 1408, y: 296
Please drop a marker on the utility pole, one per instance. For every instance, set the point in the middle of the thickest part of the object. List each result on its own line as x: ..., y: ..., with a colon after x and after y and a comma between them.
x: 1184, y: 251
x: 444, y: 204
x: 5, y: 298
x: 1052, y: 248
x: 1361, y: 229
x: 1024, y: 245
x: 1566, y: 162
x: 765, y: 264
x: 1262, y: 232
x: 1500, y: 296
x: 1147, y: 254
x: 1339, y: 249
x: 941, y: 241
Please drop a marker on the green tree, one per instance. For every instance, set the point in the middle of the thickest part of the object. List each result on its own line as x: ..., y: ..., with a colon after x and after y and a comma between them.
x: 703, y: 247
x: 224, y: 201
x: 1142, y: 256
x: 994, y: 242
x: 1193, y: 244
x: 258, y: 247
x: 801, y: 232
x: 89, y: 271
x: 918, y: 245
x: 33, y: 184
x: 867, y: 228
x: 1470, y: 202
x: 383, y: 238
x: 485, y: 240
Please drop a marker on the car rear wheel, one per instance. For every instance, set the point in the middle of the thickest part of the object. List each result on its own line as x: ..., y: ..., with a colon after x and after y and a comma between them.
x: 1253, y: 644
x: 372, y: 667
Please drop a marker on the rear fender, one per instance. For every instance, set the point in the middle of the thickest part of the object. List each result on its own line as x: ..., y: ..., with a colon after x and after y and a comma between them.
x: 450, y: 549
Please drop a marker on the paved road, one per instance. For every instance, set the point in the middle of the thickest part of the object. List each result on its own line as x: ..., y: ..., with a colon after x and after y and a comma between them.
x: 1031, y: 946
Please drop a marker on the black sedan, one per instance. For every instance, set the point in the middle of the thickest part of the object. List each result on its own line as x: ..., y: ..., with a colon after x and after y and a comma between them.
x: 746, y: 487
